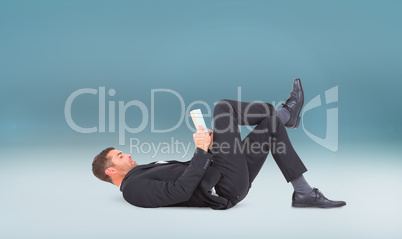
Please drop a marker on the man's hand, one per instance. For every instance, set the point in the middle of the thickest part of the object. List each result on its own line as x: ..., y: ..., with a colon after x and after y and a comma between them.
x: 201, y: 139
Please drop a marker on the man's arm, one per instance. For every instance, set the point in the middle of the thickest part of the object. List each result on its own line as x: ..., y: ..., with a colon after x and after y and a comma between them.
x: 156, y: 193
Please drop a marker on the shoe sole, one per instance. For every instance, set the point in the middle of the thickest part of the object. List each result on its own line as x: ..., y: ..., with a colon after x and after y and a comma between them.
x: 297, y: 121
x: 303, y: 205
x: 296, y: 124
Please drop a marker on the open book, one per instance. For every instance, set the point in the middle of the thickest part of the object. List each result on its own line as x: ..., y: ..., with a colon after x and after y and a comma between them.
x: 198, y: 119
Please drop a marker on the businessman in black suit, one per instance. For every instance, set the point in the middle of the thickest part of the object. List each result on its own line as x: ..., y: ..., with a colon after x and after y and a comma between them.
x: 223, y: 166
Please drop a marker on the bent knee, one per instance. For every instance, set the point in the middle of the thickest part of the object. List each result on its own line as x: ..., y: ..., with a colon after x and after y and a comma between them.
x: 222, y: 106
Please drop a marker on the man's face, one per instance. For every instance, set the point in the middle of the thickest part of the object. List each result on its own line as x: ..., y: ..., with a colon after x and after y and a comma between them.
x: 122, y: 162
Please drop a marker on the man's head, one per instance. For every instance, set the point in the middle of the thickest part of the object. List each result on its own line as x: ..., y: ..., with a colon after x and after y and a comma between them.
x: 112, y: 165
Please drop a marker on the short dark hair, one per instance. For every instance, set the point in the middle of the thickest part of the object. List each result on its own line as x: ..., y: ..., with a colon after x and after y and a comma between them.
x: 101, y: 163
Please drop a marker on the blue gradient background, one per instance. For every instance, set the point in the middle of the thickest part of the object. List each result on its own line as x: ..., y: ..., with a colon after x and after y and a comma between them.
x: 203, y: 50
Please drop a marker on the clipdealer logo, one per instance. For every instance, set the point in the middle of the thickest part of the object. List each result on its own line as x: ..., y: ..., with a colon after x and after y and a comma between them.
x: 122, y: 109
x: 330, y: 141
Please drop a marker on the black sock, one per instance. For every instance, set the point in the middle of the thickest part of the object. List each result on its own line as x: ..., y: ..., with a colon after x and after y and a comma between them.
x: 283, y: 114
x: 300, y: 185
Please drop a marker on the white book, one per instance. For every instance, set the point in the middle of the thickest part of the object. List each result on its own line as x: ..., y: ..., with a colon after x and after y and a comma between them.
x: 198, y: 119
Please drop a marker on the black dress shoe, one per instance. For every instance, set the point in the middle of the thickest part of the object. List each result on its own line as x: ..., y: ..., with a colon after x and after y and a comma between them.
x: 314, y: 199
x: 294, y: 104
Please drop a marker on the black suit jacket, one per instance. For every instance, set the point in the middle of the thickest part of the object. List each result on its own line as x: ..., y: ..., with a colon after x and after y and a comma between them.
x: 175, y: 184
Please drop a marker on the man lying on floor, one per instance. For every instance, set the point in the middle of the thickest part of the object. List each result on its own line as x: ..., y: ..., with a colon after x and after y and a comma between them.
x: 224, y: 166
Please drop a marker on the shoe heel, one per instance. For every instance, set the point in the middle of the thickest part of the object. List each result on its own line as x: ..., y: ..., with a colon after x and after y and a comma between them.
x: 297, y: 122
x: 299, y: 205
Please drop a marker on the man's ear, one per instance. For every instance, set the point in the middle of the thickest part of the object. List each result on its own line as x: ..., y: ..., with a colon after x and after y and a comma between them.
x: 110, y: 171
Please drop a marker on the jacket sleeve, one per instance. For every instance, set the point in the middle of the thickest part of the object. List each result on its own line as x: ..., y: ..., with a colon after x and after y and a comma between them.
x: 156, y: 193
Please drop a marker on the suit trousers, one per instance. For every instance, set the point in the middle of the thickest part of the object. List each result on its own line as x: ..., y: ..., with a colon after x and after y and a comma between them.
x: 239, y: 161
